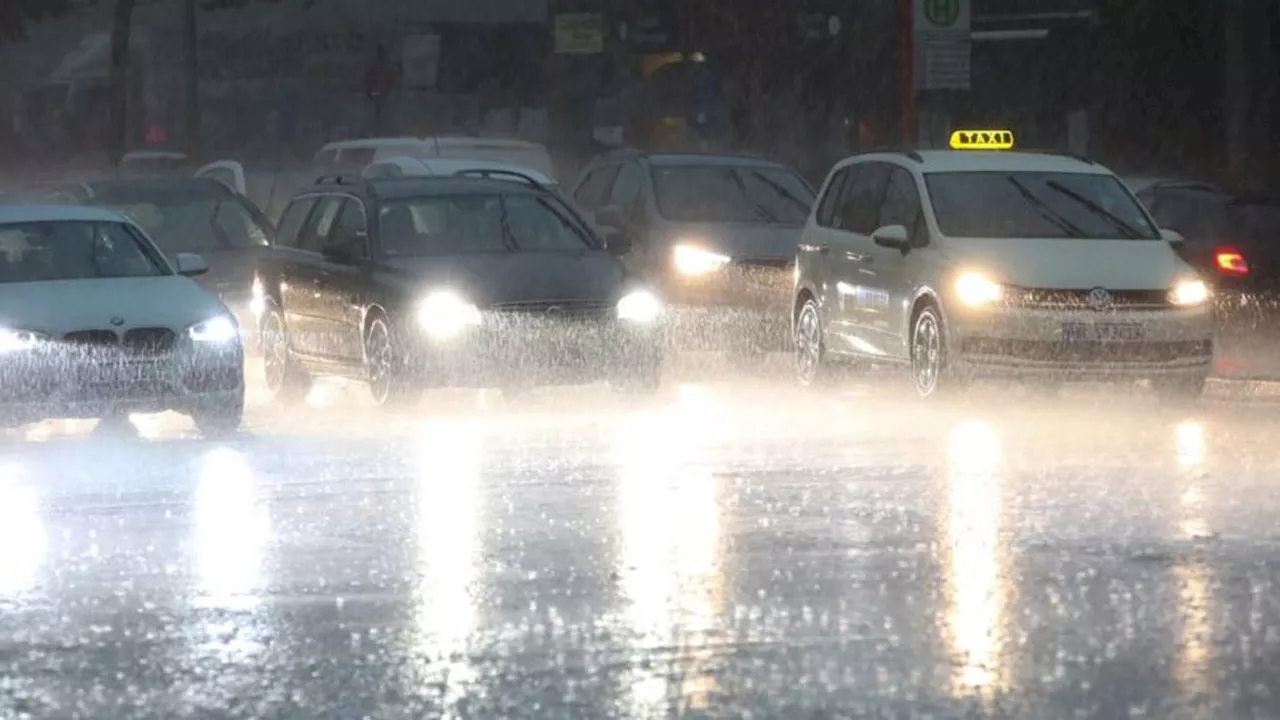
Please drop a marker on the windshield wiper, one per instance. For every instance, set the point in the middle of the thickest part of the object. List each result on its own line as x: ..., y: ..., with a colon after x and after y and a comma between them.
x: 1129, y: 231
x: 1046, y: 212
x: 759, y: 209
x: 778, y: 188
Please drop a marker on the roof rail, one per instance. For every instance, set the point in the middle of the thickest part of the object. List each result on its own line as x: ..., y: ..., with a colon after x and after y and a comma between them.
x: 498, y: 173
x: 345, y: 179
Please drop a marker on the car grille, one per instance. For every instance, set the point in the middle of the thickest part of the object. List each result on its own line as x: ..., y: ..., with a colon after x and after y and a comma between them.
x: 553, y: 308
x: 144, y: 342
x: 765, y: 262
x: 1087, y: 352
x: 1046, y: 299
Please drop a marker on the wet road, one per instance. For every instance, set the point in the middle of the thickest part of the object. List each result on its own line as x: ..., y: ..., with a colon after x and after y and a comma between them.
x: 723, y: 550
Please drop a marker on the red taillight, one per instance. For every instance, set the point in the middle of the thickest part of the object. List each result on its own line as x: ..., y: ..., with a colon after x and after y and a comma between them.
x: 1230, y: 261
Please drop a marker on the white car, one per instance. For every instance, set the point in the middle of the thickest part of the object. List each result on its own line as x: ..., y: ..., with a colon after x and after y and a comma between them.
x: 96, y: 323
x: 959, y: 263
x: 359, y: 153
x: 409, y: 166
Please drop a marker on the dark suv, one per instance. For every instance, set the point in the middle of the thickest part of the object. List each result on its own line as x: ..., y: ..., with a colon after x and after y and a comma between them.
x: 716, y: 233
x: 420, y: 282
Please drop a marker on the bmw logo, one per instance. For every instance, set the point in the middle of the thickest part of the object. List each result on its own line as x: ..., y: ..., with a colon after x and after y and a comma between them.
x: 117, y: 321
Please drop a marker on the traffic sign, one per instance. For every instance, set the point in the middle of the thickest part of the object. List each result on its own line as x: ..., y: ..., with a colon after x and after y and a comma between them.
x: 942, y: 41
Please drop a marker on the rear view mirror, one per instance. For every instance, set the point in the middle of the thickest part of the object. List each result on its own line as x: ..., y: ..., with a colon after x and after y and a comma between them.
x: 891, y: 236
x: 191, y: 264
x: 617, y: 243
x: 1173, y: 237
x: 610, y: 216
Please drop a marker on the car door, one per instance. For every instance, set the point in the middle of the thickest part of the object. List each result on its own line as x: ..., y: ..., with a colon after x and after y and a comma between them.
x: 227, y: 172
x: 593, y: 189
x: 343, y: 282
x: 305, y: 308
x: 859, y: 304
x: 813, y: 255
x: 889, y: 272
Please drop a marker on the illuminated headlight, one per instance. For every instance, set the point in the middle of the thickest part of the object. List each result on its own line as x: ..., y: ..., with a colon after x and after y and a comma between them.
x: 690, y: 260
x: 257, y: 298
x: 219, y: 329
x: 1188, y: 293
x: 443, y: 314
x: 15, y: 340
x: 976, y: 290
x: 640, y: 306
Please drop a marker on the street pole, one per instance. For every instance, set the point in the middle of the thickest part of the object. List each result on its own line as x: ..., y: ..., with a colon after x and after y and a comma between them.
x: 910, y: 126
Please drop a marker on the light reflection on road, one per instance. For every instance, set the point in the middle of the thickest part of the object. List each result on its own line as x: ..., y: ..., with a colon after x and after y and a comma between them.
x: 232, y: 529
x: 448, y: 460
x: 23, y: 540
x: 1194, y: 578
x: 976, y: 578
x: 671, y: 566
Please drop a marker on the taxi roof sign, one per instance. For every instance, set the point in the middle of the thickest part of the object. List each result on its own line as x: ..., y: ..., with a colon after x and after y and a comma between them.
x: 982, y: 140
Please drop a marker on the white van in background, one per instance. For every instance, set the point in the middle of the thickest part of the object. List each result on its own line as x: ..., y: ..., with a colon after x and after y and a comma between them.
x: 407, y: 166
x: 360, y: 153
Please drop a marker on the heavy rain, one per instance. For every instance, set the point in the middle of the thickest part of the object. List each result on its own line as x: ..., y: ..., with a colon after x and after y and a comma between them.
x: 639, y: 359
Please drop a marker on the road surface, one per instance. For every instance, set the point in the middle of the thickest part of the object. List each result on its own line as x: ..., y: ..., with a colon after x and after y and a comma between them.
x: 730, y: 548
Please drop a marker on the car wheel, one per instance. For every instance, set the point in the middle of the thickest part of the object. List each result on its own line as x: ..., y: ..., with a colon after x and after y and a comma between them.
x: 387, y: 385
x: 285, y: 381
x: 930, y: 374
x: 812, y: 366
x: 217, y: 419
x: 1179, y: 388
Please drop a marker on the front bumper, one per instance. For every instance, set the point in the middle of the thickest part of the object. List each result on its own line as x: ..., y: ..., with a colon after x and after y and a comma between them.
x: 1083, y: 344
x: 514, y: 349
x: 736, y: 306
x: 56, y: 383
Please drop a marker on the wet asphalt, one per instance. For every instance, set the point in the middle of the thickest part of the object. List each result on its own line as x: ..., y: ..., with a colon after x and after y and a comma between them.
x: 729, y: 548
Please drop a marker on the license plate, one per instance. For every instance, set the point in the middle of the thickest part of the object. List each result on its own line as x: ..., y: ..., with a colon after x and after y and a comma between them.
x: 123, y: 374
x: 1101, y: 332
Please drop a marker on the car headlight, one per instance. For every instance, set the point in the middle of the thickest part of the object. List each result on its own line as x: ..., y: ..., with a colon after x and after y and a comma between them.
x: 444, y: 314
x: 640, y: 306
x: 219, y: 329
x: 976, y: 290
x: 15, y: 340
x: 690, y: 260
x: 257, y: 298
x: 1188, y: 293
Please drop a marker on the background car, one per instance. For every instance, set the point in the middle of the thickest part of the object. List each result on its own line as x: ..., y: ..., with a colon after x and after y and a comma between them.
x: 409, y: 166
x: 427, y: 282
x: 96, y: 322
x: 716, y: 234
x: 189, y: 215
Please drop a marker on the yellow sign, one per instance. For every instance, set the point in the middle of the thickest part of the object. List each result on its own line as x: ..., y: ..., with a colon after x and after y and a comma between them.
x: 981, y: 140
x: 579, y: 33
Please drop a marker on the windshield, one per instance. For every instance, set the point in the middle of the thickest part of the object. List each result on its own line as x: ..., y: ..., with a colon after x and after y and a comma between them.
x: 1036, y: 205
x: 43, y: 251
x: 187, y: 221
x: 728, y: 193
x: 462, y: 224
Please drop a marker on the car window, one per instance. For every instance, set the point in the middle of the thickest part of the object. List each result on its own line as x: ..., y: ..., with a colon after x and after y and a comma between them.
x: 595, y: 187
x: 534, y: 226
x: 291, y: 221
x: 328, y: 157
x: 1036, y: 205
x: 356, y: 156
x: 729, y: 193
x: 901, y: 205
x: 859, y: 208
x: 442, y: 225
x: 186, y: 219
x: 350, y: 230
x: 830, y: 198
x: 627, y: 188
x: 41, y: 251
x: 317, y: 227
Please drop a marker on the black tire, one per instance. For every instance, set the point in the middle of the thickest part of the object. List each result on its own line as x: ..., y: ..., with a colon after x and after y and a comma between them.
x: 384, y: 367
x: 812, y: 367
x: 931, y: 374
x: 219, y: 419
x: 286, y: 382
x: 1179, y: 389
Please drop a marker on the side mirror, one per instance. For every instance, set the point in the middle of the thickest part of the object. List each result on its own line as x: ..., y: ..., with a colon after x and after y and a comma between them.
x: 892, y: 236
x: 610, y: 216
x: 1173, y: 237
x: 190, y: 264
x: 617, y: 244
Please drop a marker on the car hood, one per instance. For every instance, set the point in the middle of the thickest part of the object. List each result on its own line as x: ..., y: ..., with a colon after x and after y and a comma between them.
x: 739, y: 240
x: 496, y: 278
x: 1071, y: 264
x: 63, y: 306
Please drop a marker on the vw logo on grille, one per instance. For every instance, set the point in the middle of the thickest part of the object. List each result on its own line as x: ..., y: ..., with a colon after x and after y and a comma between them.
x: 117, y: 321
x: 1099, y: 299
x: 555, y: 310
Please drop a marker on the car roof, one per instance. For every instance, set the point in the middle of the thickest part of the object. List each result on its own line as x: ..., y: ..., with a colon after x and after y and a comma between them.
x: 930, y: 161
x: 677, y: 157
x: 453, y: 165
x: 160, y: 184
x: 57, y: 213
x: 420, y: 185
